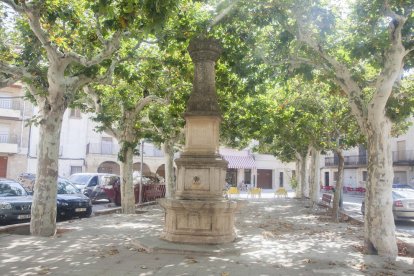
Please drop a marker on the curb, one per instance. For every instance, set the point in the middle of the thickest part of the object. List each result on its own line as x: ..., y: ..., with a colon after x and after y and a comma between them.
x: 409, y: 245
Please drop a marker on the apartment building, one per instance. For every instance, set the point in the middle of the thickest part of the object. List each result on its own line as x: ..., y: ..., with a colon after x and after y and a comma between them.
x: 356, y: 160
x: 14, y: 132
x: 82, y: 149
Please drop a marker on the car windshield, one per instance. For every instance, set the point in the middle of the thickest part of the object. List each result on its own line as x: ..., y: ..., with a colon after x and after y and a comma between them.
x: 108, y: 179
x: 403, y: 193
x: 80, y: 178
x: 11, y: 188
x: 66, y: 188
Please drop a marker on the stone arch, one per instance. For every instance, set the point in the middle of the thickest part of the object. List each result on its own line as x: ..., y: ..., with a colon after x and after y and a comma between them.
x: 109, y: 167
x: 161, y: 171
x: 146, y: 169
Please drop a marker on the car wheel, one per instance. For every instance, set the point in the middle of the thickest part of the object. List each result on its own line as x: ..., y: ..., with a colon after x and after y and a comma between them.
x: 87, y: 214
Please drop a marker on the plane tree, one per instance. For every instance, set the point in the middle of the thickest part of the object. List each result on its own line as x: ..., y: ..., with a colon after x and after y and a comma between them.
x: 365, y: 47
x: 119, y: 107
x: 55, y: 48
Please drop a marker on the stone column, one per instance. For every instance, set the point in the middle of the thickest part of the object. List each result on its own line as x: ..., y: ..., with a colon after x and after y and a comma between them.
x: 199, y: 213
x: 201, y: 170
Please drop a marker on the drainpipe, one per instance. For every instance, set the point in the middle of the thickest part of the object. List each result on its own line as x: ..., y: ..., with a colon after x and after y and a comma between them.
x: 22, y: 128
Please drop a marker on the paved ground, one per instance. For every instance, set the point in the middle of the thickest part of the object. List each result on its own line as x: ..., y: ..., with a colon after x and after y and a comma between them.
x: 276, y: 237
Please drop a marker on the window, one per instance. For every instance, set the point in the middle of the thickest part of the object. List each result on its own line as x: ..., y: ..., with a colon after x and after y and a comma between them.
x: 281, y: 179
x: 5, y: 101
x: 247, y: 176
x: 336, y: 176
x: 364, y: 175
x: 75, y: 113
x: 4, y: 134
x: 75, y: 169
x: 106, y: 145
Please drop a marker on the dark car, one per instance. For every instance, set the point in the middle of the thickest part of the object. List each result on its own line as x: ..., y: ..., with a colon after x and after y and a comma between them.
x: 15, y: 202
x: 71, y: 202
x: 402, y: 205
x: 96, y: 186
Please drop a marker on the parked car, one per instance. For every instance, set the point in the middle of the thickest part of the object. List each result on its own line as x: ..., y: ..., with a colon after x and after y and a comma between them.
x: 96, y: 186
x: 15, y: 202
x: 71, y: 202
x: 403, y: 204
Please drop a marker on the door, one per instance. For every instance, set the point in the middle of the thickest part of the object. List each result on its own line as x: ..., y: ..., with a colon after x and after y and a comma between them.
x: 281, y: 179
x: 231, y: 177
x: 326, y: 178
x: 3, y: 166
x: 400, y: 177
x: 401, y: 151
x: 264, y: 179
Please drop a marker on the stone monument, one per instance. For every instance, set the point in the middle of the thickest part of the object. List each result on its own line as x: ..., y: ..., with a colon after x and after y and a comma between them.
x: 199, y: 213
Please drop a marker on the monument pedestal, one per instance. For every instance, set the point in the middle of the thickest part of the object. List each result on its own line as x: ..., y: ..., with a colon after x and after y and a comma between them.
x: 199, y: 221
x: 199, y: 213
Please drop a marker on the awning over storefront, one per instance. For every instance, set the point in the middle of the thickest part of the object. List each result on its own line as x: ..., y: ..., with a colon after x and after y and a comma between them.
x: 240, y: 162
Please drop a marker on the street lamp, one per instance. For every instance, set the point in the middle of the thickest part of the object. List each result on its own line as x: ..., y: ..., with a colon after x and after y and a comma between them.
x: 142, y: 166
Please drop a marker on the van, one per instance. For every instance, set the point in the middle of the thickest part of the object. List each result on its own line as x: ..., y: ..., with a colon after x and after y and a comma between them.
x: 96, y: 186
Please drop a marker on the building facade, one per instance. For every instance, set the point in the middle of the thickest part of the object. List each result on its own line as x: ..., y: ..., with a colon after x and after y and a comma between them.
x: 82, y: 149
x: 356, y: 161
x: 14, y: 132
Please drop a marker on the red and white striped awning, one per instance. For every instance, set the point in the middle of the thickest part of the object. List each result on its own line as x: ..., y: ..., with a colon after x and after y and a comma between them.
x: 240, y: 162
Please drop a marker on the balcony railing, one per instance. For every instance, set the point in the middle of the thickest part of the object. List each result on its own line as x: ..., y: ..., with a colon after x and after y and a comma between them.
x: 8, y: 139
x: 112, y: 149
x: 403, y: 157
x: 398, y: 158
x: 10, y: 103
x: 102, y: 148
x: 351, y: 160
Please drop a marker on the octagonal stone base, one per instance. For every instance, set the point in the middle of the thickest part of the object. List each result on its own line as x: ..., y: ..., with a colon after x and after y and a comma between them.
x: 199, y: 221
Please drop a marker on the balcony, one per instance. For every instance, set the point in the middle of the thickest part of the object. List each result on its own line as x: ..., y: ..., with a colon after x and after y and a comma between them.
x: 11, y: 108
x: 112, y: 149
x: 405, y: 157
x: 350, y: 161
x: 102, y: 148
x: 8, y: 143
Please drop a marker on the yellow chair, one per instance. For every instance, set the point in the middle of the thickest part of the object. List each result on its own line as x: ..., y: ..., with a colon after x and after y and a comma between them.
x: 255, y: 192
x: 281, y: 192
x: 233, y: 191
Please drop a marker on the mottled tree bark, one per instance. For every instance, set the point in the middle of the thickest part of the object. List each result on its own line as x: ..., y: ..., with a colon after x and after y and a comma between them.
x: 339, y: 186
x: 127, y: 186
x: 314, y: 175
x: 43, y: 213
x: 168, y: 148
x: 302, y: 181
x: 379, y: 234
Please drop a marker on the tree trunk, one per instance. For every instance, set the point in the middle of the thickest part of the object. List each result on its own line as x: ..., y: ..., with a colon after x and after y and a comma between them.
x: 339, y: 186
x: 304, y: 185
x: 43, y: 213
x: 297, y: 177
x: 314, y: 175
x: 127, y: 187
x: 168, y: 148
x: 379, y: 221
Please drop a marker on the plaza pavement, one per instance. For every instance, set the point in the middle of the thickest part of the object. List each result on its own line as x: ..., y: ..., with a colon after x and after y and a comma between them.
x: 276, y: 236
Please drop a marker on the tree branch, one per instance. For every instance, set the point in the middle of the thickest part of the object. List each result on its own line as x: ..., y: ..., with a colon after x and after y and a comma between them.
x: 15, y: 71
x: 13, y: 5
x: 98, y: 108
x: 99, y: 30
x: 146, y: 101
x: 394, y: 61
x: 5, y: 82
x: 111, y: 46
x: 33, y: 16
